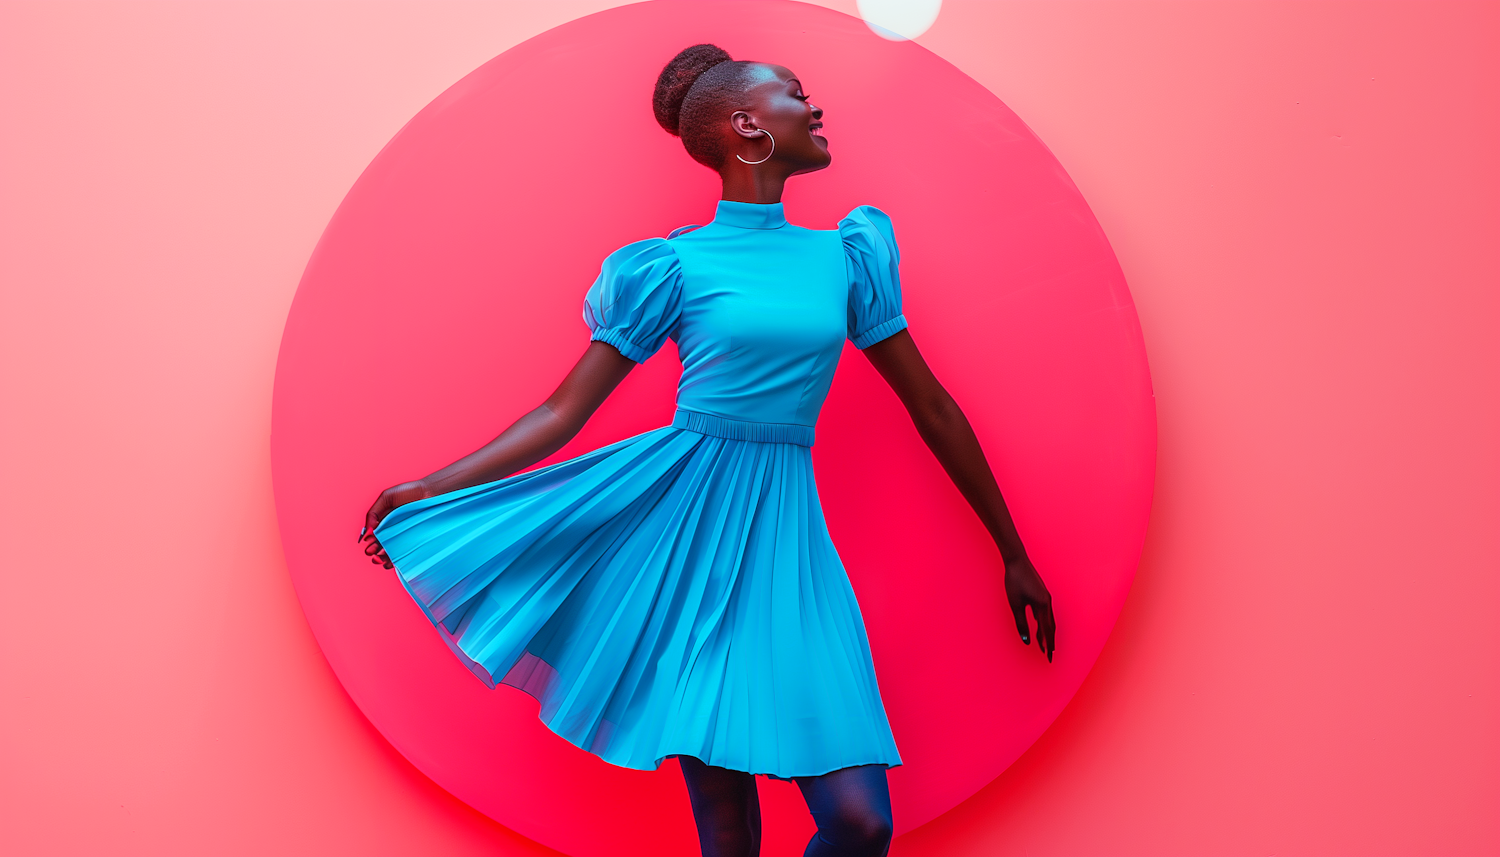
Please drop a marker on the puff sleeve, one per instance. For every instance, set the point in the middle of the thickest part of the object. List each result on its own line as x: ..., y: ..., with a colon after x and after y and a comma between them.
x: 871, y: 258
x: 637, y: 300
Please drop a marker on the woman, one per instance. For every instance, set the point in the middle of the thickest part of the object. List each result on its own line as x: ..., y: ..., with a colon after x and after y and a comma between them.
x: 676, y: 594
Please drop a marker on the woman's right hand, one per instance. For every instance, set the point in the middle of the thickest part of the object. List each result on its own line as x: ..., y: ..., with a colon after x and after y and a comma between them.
x: 389, y: 499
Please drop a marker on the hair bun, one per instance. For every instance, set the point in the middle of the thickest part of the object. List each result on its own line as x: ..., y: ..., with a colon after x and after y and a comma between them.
x: 677, y: 78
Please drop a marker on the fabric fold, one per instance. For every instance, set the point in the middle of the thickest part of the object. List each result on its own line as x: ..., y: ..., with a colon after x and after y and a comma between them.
x: 617, y: 589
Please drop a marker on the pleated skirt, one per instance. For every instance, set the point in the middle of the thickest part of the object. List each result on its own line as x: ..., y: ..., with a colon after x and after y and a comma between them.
x: 675, y: 593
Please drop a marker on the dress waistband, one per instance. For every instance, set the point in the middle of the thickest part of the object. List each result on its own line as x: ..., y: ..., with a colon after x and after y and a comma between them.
x: 742, y: 429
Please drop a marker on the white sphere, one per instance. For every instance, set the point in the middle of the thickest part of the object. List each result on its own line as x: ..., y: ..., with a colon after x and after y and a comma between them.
x: 899, y: 20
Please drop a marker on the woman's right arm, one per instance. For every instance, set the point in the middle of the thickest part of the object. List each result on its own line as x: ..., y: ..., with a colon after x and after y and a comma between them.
x: 529, y: 439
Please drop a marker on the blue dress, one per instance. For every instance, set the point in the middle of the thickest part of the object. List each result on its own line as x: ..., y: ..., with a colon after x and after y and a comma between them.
x: 677, y: 593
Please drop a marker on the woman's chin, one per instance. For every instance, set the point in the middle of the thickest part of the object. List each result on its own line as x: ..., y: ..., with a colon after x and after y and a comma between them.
x: 822, y: 144
x: 815, y: 166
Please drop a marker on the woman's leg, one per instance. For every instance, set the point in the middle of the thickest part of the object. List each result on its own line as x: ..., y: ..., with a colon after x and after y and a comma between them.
x: 726, y: 808
x: 852, y: 807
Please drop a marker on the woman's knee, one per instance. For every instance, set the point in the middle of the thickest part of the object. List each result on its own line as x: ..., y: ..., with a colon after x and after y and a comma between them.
x: 863, y: 828
x: 852, y: 829
x: 852, y: 807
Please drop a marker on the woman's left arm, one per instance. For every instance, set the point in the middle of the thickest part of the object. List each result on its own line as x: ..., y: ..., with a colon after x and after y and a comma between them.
x: 948, y: 434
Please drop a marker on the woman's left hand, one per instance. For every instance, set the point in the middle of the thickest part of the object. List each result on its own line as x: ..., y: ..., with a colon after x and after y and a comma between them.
x: 1024, y: 588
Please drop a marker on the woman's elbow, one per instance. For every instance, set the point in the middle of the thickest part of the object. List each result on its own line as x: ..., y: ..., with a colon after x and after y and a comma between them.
x: 937, y: 414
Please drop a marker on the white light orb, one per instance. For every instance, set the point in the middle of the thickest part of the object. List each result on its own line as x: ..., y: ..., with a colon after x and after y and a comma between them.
x: 899, y: 20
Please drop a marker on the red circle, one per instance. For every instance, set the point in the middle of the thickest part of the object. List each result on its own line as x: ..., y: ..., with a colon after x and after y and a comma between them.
x: 443, y: 301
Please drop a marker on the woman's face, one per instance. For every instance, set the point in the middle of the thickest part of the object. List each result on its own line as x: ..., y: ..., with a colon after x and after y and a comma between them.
x: 781, y: 106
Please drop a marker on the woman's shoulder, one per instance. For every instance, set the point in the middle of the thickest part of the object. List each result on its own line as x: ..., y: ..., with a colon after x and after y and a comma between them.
x: 646, y: 247
x: 863, y: 213
x: 639, y: 256
x: 867, y: 229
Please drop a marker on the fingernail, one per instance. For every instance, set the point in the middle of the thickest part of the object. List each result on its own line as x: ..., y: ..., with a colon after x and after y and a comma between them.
x: 362, y: 532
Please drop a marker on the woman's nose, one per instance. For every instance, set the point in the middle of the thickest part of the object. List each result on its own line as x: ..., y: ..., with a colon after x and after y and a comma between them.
x: 817, y: 111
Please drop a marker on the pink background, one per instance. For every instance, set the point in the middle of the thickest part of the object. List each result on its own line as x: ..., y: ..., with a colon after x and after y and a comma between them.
x: 1304, y: 200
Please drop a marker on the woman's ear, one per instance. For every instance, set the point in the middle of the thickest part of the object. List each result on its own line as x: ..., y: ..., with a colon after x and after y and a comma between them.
x: 744, y: 125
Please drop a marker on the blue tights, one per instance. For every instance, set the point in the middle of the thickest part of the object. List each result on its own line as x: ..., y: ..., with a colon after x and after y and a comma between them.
x: 852, y: 808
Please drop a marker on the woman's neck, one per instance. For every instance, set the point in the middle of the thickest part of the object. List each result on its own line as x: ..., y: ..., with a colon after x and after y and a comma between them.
x: 745, y: 184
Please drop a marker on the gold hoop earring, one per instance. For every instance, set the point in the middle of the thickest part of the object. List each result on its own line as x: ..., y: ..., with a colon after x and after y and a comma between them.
x: 768, y: 154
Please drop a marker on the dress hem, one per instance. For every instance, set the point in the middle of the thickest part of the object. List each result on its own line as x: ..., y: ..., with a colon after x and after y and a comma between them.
x: 484, y: 676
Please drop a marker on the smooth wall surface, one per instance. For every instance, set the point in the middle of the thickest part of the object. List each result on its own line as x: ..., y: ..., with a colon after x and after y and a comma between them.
x: 1304, y: 200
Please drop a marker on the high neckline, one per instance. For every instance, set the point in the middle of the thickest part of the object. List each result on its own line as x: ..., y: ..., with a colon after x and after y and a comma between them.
x: 750, y: 215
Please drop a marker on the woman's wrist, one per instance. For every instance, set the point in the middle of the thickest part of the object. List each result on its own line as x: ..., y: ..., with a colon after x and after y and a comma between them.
x: 1012, y: 553
x: 416, y: 489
